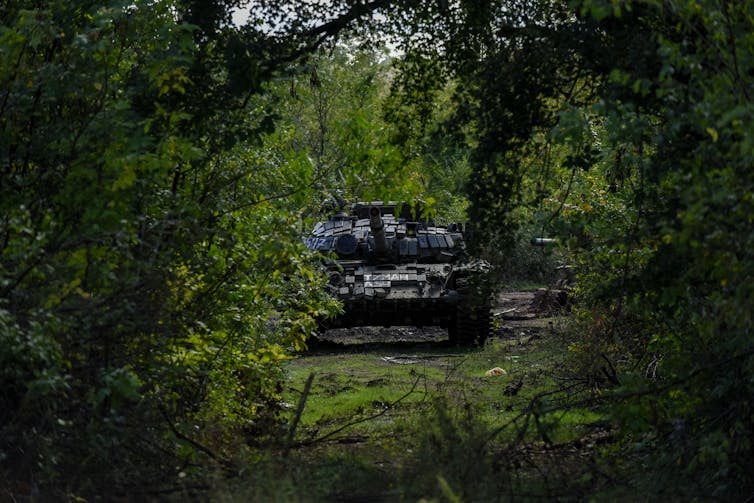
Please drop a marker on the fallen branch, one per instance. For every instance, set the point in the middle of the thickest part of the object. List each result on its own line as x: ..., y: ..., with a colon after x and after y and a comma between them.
x: 501, y: 313
x: 299, y: 412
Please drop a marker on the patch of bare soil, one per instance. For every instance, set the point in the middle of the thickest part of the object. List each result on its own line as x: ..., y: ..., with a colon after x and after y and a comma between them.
x: 365, y: 335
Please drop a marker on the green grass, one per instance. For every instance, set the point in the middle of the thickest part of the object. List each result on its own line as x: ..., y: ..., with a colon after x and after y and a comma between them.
x: 351, y: 386
x: 387, y: 423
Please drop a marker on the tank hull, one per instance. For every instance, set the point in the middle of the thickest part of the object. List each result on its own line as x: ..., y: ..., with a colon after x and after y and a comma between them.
x: 389, y: 269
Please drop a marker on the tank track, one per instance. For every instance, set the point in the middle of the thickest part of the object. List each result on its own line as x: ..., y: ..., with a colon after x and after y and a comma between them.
x: 472, y: 324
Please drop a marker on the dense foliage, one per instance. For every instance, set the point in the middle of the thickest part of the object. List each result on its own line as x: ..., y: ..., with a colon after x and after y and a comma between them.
x: 158, y: 162
x: 152, y: 271
x: 625, y: 128
x: 329, y: 117
x: 673, y: 282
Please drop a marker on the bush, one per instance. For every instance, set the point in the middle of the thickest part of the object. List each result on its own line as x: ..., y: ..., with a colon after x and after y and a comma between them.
x: 451, y: 458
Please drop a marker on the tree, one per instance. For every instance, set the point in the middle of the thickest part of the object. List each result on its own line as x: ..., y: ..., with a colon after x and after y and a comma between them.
x: 330, y: 119
x: 643, y: 109
x: 153, y: 274
x: 680, y: 148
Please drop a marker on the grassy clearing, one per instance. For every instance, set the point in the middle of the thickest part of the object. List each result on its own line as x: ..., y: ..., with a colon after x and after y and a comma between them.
x: 412, y: 422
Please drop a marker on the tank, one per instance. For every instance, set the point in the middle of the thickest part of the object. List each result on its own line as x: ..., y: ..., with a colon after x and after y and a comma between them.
x: 391, y: 266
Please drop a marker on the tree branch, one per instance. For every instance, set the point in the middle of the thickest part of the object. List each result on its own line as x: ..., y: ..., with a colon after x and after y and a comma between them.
x: 193, y: 443
x: 299, y: 412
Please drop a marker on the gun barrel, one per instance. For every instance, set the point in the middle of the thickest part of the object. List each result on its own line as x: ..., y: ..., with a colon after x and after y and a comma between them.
x: 378, y: 231
x: 542, y: 241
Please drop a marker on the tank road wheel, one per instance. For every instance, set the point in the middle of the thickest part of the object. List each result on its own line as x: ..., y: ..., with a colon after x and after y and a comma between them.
x: 472, y: 324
